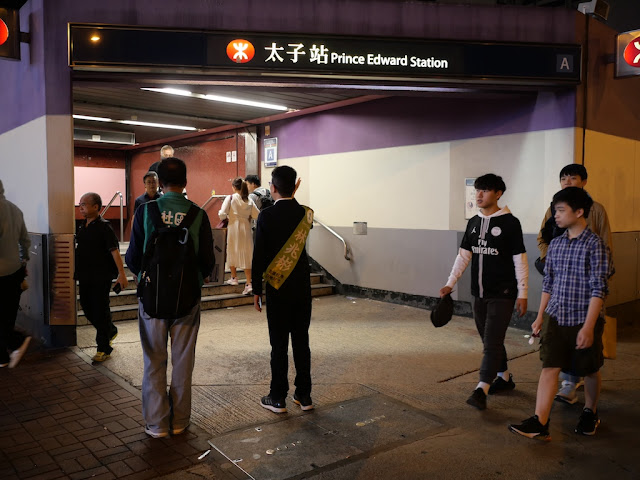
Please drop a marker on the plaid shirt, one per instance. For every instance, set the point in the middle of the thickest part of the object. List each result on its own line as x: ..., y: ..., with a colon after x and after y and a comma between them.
x: 575, y: 270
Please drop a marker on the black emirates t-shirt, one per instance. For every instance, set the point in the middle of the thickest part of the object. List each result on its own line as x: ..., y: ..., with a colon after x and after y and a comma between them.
x: 493, y: 241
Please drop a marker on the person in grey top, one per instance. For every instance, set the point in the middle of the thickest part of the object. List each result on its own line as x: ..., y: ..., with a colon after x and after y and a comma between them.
x: 14, y: 254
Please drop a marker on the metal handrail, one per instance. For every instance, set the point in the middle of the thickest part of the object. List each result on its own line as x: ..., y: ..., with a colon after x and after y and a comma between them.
x: 104, y: 210
x: 211, y: 198
x: 347, y: 252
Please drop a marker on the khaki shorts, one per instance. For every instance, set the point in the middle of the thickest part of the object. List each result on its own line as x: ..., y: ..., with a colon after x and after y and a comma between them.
x: 558, y: 348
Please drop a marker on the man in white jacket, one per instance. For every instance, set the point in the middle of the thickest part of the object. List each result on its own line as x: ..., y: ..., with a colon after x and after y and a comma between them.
x: 494, y: 244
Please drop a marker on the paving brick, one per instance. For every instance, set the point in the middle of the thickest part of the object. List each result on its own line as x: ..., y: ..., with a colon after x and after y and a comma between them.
x: 72, y: 426
x: 134, y: 435
x: 21, y: 438
x: 129, y: 423
x: 116, y: 457
x: 90, y: 433
x: 72, y: 454
x: 23, y: 464
x: 49, y: 443
x: 70, y: 466
x: 172, y: 466
x: 47, y: 422
x: 68, y: 413
x: 43, y: 473
x: 110, y: 441
x: 115, y: 427
x: 111, y: 451
x: 94, y: 445
x: 88, y: 422
x: 66, y: 439
x: 145, y: 475
x: 120, y: 469
x: 137, y: 464
x: 88, y: 461
x: 185, y: 449
x: 42, y: 459
x: 91, y: 473
x: 18, y: 451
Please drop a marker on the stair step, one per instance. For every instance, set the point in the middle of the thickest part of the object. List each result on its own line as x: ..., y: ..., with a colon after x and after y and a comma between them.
x: 130, y: 311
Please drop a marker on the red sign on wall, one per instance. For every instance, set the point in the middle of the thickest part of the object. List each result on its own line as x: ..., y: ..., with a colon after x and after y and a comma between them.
x: 632, y: 53
x: 9, y: 33
x: 628, y: 54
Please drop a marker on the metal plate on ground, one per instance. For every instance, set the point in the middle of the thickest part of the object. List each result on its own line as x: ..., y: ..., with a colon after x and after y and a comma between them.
x: 326, y: 438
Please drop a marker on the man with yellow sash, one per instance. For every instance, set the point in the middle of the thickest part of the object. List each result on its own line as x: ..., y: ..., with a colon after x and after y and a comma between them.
x: 280, y: 258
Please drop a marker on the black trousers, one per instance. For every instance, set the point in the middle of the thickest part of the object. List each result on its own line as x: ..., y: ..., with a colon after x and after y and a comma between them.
x: 492, y: 316
x: 94, y: 299
x: 10, y: 292
x: 289, y: 316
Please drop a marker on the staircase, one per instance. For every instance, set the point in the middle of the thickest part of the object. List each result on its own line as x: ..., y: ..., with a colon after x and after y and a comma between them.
x: 124, y: 306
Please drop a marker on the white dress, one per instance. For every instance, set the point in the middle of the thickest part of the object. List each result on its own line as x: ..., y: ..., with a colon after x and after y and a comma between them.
x: 239, y: 234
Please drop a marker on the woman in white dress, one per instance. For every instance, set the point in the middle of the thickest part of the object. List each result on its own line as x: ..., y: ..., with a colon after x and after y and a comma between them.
x: 239, y: 209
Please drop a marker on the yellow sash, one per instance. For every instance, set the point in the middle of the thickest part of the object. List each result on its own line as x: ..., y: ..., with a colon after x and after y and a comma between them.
x: 284, y: 262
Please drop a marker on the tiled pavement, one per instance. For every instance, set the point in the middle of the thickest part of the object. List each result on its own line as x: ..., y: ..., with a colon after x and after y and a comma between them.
x: 62, y: 418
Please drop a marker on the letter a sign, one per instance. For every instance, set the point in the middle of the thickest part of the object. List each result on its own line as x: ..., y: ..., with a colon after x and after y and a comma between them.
x: 628, y: 54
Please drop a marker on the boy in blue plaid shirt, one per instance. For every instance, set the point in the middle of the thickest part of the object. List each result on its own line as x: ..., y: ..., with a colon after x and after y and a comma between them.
x: 570, y: 316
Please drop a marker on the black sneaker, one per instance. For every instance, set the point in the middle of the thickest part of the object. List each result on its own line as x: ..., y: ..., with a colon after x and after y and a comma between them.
x: 588, y: 422
x: 276, y: 406
x: 304, y: 401
x: 500, y: 385
x: 531, y: 428
x: 478, y: 399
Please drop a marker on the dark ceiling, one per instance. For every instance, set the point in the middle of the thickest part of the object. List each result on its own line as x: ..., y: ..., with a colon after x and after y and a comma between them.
x: 129, y: 102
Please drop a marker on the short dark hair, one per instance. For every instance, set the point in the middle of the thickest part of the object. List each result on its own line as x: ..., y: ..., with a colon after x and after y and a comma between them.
x: 149, y: 174
x: 95, y: 199
x: 284, y: 180
x: 490, y: 181
x: 253, y: 179
x: 576, y: 198
x: 574, y: 169
x: 172, y: 172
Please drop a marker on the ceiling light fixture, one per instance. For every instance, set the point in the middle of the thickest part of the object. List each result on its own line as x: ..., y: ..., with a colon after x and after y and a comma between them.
x: 93, y: 119
x: 218, y: 98
x: 135, y: 122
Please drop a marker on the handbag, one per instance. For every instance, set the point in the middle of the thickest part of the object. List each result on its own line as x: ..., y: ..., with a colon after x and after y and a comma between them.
x: 224, y: 223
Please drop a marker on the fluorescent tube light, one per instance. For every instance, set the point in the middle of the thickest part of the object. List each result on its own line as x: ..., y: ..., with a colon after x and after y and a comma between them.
x: 134, y: 122
x: 218, y: 98
x: 93, y: 119
x: 156, y: 125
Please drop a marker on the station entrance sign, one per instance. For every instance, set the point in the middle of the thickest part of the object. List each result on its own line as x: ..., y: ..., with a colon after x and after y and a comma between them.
x: 322, y: 56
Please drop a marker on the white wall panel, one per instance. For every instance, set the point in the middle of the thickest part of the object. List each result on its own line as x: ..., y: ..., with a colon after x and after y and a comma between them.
x: 23, y: 170
x: 402, y: 187
x: 529, y: 163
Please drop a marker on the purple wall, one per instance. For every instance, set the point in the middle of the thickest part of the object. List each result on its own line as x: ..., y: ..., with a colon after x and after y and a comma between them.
x: 48, y: 63
x: 22, y: 83
x: 398, y: 121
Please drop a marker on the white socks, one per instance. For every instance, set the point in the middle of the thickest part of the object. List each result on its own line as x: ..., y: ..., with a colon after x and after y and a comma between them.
x: 504, y: 375
x: 484, y: 386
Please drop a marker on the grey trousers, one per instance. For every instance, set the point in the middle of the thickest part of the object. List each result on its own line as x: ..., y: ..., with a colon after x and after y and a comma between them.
x: 492, y: 316
x: 163, y: 412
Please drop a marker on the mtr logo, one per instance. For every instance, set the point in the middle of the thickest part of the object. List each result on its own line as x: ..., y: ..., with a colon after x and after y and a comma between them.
x: 4, y: 32
x: 632, y: 53
x: 240, y: 51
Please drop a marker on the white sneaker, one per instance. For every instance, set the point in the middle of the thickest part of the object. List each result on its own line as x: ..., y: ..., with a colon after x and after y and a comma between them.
x: 248, y: 289
x: 17, y: 355
x: 232, y: 281
x: 567, y: 393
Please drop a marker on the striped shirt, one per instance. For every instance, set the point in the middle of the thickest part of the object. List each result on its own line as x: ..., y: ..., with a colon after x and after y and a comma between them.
x: 576, y: 270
